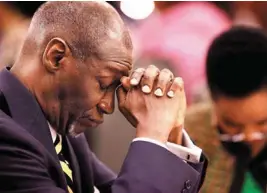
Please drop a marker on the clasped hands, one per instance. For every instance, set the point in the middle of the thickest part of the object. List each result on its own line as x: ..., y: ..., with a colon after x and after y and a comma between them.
x: 154, y: 102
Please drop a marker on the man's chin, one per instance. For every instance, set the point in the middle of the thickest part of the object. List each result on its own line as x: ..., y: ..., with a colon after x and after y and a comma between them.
x: 73, y: 131
x: 78, y: 128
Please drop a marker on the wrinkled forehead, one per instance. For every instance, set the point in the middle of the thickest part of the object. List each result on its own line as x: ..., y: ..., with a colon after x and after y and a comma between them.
x: 118, y: 68
x: 115, y: 49
x: 115, y: 67
x: 117, y: 59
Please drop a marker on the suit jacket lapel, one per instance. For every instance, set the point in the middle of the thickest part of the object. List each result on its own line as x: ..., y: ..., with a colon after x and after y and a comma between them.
x: 25, y: 110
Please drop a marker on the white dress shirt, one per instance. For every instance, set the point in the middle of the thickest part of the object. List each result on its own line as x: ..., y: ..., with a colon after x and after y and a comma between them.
x: 189, y: 152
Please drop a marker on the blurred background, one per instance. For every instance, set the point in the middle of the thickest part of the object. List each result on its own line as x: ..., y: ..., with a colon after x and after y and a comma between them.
x: 174, y: 35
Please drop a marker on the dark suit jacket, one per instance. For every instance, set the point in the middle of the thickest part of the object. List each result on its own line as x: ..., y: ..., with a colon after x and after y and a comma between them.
x: 29, y: 163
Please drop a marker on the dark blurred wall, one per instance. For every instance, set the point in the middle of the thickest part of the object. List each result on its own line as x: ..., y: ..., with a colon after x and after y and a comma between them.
x: 29, y: 7
x: 26, y: 7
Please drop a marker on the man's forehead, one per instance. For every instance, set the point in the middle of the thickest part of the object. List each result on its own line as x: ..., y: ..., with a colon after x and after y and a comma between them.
x: 120, y: 69
x: 116, y: 58
x: 116, y: 45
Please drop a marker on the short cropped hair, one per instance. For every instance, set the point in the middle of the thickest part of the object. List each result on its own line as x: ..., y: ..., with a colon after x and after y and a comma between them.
x: 236, y: 64
x: 85, y: 26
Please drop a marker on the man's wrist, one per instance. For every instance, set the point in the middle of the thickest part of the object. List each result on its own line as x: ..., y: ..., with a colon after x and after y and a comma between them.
x: 176, y: 136
x: 143, y: 132
x: 162, y: 140
x: 189, y: 152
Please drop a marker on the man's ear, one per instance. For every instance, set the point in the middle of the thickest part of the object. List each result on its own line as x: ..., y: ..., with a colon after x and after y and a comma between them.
x: 55, y: 52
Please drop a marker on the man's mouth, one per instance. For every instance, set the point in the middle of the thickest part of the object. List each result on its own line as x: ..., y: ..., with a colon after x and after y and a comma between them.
x: 96, y: 121
x: 86, y: 121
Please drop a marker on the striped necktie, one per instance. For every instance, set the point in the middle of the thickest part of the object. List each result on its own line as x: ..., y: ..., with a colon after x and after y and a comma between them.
x: 64, y: 163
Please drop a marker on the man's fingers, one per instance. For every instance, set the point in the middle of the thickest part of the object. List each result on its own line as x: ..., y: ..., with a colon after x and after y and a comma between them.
x: 178, y: 84
x: 177, y: 90
x: 148, y: 79
x: 125, y: 82
x: 163, y: 82
x: 136, y: 76
x: 121, y: 96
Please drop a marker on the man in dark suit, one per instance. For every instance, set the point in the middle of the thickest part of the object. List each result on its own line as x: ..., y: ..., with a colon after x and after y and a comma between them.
x: 74, y: 57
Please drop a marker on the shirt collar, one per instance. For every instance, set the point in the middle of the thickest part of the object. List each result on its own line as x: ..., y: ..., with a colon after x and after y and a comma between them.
x: 53, y: 132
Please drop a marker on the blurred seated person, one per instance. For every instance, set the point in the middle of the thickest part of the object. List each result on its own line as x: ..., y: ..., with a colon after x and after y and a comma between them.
x: 13, y: 28
x: 236, y: 123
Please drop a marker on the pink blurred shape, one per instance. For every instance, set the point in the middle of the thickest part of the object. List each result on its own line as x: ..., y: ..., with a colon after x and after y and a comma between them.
x: 182, y: 34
